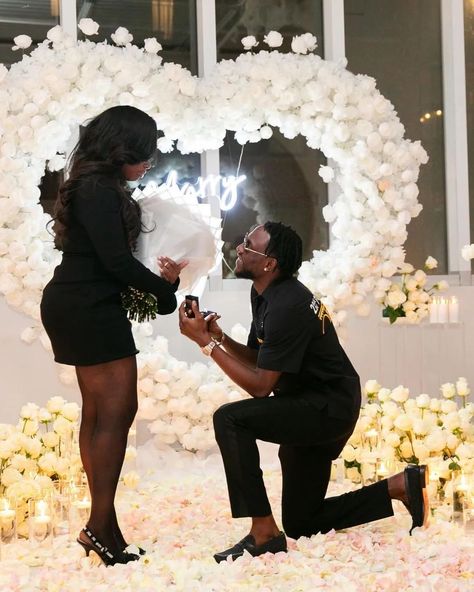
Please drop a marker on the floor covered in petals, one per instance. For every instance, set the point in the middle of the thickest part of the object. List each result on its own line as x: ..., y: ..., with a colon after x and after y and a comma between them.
x: 180, y: 515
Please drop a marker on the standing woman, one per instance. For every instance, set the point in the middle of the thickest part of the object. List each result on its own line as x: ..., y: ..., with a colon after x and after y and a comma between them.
x: 97, y: 224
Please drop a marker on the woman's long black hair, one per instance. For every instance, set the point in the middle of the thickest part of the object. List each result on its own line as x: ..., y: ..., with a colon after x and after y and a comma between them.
x: 120, y: 135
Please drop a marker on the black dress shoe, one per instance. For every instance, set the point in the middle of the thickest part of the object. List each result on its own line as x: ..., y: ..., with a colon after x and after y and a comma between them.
x: 416, y: 479
x: 274, y: 545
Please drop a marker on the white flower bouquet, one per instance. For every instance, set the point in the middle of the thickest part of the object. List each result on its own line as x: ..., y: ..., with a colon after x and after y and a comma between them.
x: 410, y: 299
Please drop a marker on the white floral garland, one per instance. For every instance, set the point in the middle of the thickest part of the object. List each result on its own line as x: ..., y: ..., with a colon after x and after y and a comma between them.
x: 45, y: 97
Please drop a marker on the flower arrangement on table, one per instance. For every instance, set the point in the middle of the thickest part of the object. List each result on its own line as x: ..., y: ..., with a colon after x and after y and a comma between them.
x: 410, y: 299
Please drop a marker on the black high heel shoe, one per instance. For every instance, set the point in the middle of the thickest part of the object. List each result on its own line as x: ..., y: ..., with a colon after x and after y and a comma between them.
x: 108, y: 558
x: 141, y: 551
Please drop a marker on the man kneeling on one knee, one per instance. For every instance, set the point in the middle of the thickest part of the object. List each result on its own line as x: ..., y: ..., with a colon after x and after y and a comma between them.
x: 305, y: 397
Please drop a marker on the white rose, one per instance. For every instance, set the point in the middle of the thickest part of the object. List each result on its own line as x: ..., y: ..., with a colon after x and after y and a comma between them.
x: 122, y: 36
x: 326, y: 173
x: 467, y: 252
x: 131, y: 479
x: 423, y: 401
x: 420, y: 427
x: 372, y: 386
x: 30, y: 428
x: 431, y: 263
x: 29, y: 411
x: 151, y: 45
x: 10, y: 476
x: 435, y: 405
x: 165, y: 145
x: 5, y: 450
x: 266, y: 132
x: 249, y: 42
x: 88, y: 26
x: 304, y: 43
x: 50, y: 439
x: 462, y: 388
x: 400, y: 394
x: 33, y: 447
x: 348, y: 453
x: 44, y: 416
x: 392, y: 439
x: 411, y: 284
x: 63, y: 426
x: 383, y: 395
x: 55, y: 404
x: 48, y: 463
x: 448, y: 391
x: 21, y: 42
x: 395, y: 297
x: 403, y: 422
x: 70, y: 411
x: 448, y: 406
x: 56, y: 34
x: 442, y: 285
x: 406, y: 448
x: 273, y: 39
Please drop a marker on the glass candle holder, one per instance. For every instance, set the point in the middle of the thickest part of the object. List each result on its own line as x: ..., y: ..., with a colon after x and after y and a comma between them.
x: 461, y: 492
x: 80, y: 507
x: 40, y: 520
x: 7, y: 521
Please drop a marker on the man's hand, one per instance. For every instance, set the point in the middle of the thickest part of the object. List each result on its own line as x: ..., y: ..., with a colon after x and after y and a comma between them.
x: 214, y: 330
x: 195, y: 328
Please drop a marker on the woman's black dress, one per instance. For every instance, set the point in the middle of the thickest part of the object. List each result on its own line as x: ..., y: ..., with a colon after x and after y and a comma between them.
x: 81, y: 306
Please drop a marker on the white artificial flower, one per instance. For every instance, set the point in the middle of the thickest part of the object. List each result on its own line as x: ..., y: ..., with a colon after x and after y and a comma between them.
x: 273, y: 39
x: 56, y: 34
x: 88, y: 26
x: 165, y: 145
x: 151, y: 45
x: 70, y: 411
x: 266, y: 132
x: 447, y: 390
x: 448, y: 406
x: 249, y: 42
x: 372, y: 387
x: 29, y: 411
x: 21, y: 42
x: 122, y: 36
x: 395, y: 297
x: 400, y: 394
x: 304, y: 43
x: 63, y: 426
x: 467, y: 252
x: 30, y: 427
x: 442, y: 285
x: 50, y: 439
x: 326, y: 173
x: 55, y: 404
x: 423, y: 401
x: 462, y: 387
x: 431, y: 263
x: 383, y: 395
x: 403, y: 422
x: 349, y: 453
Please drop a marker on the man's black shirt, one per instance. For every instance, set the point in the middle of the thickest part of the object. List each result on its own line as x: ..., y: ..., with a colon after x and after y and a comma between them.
x: 294, y: 334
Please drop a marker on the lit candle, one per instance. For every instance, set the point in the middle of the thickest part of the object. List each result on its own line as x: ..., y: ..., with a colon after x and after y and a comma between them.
x: 443, y: 310
x: 382, y: 470
x: 433, y: 308
x: 372, y: 436
x: 41, y: 515
x: 6, y: 513
x: 453, y: 310
x: 84, y: 503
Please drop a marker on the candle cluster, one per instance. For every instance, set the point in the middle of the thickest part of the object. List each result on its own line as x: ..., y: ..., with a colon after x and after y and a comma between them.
x: 444, y: 310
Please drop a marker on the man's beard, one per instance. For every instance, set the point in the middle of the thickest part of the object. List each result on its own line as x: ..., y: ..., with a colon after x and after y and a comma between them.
x: 244, y: 274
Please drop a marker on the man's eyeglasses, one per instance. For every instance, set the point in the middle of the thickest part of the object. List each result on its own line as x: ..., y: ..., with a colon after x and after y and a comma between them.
x: 245, y: 243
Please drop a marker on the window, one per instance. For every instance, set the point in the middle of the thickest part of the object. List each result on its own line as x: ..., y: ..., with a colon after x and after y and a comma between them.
x: 399, y: 44
x: 282, y: 181
x: 33, y: 18
x: 172, y: 22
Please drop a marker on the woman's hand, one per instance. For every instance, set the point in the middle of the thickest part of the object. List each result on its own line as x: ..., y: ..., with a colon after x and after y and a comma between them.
x: 169, y: 269
x: 195, y: 328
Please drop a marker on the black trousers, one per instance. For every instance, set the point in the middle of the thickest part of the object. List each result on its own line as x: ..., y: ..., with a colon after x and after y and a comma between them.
x: 309, y: 441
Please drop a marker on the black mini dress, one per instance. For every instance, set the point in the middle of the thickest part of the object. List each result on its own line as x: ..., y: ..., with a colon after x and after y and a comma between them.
x: 81, y: 307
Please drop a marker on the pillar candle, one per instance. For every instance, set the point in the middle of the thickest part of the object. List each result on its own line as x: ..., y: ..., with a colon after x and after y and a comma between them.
x: 443, y: 310
x: 433, y: 308
x: 453, y: 310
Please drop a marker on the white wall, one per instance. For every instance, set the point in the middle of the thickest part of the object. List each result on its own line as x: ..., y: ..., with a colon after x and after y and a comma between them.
x: 421, y: 357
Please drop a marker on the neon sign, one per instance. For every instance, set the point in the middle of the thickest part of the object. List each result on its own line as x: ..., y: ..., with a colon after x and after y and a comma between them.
x: 212, y: 185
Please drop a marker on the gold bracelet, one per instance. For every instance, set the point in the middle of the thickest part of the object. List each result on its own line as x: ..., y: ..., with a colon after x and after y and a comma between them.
x: 219, y: 341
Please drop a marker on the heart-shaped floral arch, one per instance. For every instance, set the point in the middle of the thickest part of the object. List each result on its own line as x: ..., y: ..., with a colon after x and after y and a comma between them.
x: 45, y: 97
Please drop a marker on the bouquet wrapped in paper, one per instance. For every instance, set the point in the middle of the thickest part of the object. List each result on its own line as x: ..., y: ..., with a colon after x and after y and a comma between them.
x: 176, y: 225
